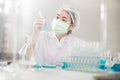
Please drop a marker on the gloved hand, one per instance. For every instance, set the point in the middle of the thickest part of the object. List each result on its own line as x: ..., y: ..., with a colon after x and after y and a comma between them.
x: 38, y: 24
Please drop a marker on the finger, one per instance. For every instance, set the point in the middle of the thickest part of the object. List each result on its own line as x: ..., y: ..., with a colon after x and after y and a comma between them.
x: 39, y: 20
x: 38, y: 23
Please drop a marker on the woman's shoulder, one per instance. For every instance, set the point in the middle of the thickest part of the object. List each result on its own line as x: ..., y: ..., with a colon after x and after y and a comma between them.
x: 80, y: 42
x: 76, y: 40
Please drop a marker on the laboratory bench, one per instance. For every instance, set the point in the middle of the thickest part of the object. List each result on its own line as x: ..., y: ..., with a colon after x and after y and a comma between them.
x: 46, y: 74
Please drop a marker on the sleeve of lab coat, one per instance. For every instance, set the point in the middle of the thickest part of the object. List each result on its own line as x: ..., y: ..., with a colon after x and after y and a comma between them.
x: 38, y: 51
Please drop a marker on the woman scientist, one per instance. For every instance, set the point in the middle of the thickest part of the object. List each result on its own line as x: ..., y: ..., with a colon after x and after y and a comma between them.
x: 50, y: 47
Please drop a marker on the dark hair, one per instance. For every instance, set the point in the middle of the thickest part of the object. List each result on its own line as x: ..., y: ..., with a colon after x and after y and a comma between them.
x: 69, y: 32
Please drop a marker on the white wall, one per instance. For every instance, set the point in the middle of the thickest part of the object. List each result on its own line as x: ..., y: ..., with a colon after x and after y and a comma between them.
x: 113, y: 25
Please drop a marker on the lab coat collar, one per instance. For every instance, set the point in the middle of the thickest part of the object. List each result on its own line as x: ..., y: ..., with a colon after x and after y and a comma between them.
x: 64, y: 39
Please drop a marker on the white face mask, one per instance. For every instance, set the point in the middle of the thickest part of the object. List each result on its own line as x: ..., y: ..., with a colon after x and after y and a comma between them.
x: 59, y: 27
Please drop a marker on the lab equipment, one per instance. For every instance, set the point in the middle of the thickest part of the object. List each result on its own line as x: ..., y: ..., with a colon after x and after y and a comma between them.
x: 104, y: 63
x: 65, y: 65
x: 35, y: 65
x: 82, y: 59
x: 116, y: 63
x: 45, y: 27
x: 110, y: 62
x: 38, y: 66
x: 115, y: 68
x: 40, y: 15
x: 81, y: 63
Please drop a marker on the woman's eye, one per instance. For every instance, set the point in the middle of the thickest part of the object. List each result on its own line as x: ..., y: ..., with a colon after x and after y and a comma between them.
x: 57, y: 17
x: 64, y: 20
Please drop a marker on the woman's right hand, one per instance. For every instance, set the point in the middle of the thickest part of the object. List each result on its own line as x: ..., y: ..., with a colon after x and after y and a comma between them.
x: 37, y: 25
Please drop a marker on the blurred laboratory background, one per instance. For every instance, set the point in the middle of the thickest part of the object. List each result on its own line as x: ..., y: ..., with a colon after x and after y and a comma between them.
x: 99, y: 21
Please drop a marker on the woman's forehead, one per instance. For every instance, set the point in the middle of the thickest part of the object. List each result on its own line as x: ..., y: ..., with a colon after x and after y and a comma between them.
x: 63, y: 13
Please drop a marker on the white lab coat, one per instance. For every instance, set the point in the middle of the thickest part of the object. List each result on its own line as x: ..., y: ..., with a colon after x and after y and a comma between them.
x: 50, y: 51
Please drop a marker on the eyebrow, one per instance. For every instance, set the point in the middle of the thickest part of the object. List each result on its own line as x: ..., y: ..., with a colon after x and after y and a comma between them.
x: 63, y: 16
x: 58, y: 15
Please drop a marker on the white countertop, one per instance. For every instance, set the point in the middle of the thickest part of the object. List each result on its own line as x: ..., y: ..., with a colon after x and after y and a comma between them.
x: 47, y: 74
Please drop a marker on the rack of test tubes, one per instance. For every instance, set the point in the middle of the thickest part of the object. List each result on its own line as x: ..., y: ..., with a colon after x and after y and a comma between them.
x: 82, y: 59
x: 81, y: 63
x: 90, y: 61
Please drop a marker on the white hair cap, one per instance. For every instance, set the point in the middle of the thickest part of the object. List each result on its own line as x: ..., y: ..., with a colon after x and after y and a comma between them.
x: 74, y: 13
